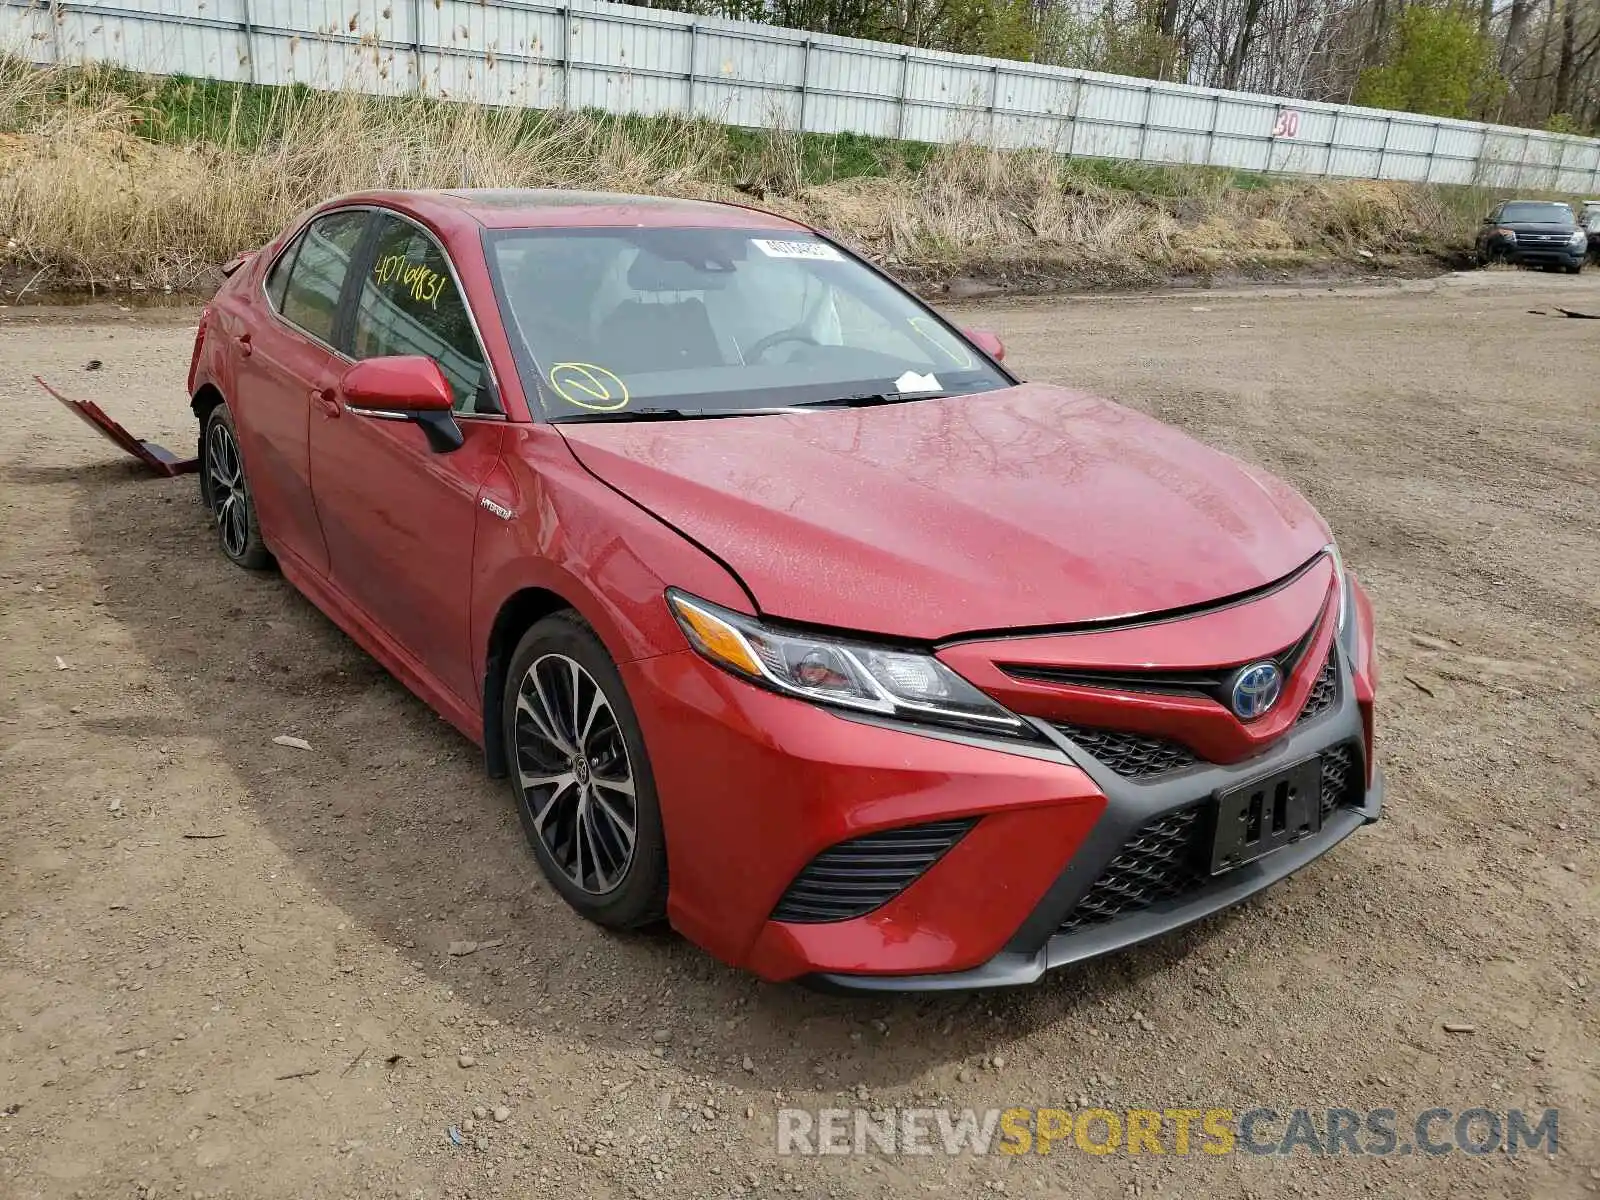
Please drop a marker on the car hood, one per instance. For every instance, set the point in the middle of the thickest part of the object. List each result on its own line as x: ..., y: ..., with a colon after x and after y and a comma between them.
x: 1033, y: 506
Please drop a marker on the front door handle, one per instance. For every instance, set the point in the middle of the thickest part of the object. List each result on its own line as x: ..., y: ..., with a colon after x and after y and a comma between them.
x: 327, y: 400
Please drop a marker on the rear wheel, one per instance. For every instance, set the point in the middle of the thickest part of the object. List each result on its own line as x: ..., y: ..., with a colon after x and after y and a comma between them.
x: 581, y: 776
x: 227, y: 493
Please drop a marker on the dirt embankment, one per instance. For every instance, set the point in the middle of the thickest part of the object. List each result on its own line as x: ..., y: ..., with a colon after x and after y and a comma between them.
x: 86, y: 200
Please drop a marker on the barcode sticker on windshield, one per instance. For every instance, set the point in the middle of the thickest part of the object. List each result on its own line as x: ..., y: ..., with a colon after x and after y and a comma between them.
x: 820, y: 251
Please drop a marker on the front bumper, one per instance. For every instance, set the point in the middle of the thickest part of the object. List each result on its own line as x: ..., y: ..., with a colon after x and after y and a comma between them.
x: 1040, y: 944
x: 1545, y: 256
x: 753, y: 786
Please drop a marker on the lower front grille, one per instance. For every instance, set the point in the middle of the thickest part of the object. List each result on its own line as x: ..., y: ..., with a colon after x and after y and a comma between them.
x: 1161, y: 860
x: 853, y: 878
x: 1342, y: 782
x: 1168, y: 857
x: 1130, y: 754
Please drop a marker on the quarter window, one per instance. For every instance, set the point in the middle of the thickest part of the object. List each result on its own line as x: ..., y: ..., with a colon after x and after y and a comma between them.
x: 278, y: 277
x: 409, y: 304
x: 316, y: 276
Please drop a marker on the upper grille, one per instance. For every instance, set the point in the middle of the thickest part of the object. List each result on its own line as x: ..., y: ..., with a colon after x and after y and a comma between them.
x: 1168, y: 683
x: 1211, y: 682
x: 1131, y: 754
x: 1342, y: 781
x: 853, y: 878
x: 1324, y: 692
x: 1160, y: 861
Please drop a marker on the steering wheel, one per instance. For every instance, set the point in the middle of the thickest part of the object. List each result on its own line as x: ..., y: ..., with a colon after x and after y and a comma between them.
x: 794, y: 334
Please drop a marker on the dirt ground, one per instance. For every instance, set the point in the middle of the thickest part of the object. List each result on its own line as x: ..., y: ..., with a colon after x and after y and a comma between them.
x: 224, y: 965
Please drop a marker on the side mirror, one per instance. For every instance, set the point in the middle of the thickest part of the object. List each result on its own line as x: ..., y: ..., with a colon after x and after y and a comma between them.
x: 987, y: 341
x: 404, y: 387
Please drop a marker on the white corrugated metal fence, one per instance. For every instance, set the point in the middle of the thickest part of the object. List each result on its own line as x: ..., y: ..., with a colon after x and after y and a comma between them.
x: 623, y: 59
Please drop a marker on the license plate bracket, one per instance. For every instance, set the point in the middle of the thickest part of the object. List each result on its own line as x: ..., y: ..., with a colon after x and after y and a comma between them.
x: 1266, y: 814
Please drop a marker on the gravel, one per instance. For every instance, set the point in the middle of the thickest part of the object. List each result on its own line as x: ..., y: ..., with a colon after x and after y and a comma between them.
x: 1448, y: 437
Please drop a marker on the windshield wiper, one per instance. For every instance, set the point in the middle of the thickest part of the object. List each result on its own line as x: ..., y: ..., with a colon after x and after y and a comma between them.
x: 873, y: 399
x: 863, y: 400
x: 671, y: 414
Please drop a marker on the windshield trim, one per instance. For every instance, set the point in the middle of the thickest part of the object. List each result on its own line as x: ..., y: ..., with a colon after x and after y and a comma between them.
x: 540, y: 409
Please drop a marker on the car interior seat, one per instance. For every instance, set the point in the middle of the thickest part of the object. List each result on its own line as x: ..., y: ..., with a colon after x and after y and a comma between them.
x: 662, y: 324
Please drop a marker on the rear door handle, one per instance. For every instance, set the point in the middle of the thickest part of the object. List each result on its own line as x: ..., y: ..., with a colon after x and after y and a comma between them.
x: 327, y: 400
x: 244, y: 344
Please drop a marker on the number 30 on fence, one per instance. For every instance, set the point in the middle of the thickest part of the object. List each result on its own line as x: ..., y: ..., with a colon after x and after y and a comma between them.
x: 1287, y: 124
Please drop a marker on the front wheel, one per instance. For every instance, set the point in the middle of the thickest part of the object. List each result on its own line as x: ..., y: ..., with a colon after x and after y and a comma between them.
x: 227, y: 493
x: 581, y: 776
x: 1575, y: 269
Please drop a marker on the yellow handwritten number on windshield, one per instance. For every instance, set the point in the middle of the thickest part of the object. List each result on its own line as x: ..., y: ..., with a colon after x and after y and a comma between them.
x: 585, y: 385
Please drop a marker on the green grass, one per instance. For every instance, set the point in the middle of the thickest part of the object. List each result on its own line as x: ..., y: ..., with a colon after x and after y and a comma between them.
x: 1154, y: 179
x: 180, y: 110
x: 119, y: 176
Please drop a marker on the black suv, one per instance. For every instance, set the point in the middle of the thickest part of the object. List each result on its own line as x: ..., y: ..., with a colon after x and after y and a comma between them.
x: 1533, y: 233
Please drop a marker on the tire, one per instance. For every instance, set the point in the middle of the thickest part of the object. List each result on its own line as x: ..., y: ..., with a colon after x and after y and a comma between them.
x: 227, y: 493
x: 1575, y: 269
x: 572, y: 788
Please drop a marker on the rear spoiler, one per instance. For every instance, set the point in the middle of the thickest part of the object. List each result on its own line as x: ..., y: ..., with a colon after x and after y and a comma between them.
x: 237, y: 261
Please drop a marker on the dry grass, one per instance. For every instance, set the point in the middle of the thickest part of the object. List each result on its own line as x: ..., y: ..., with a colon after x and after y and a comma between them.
x: 86, y: 200
x: 1032, y: 216
x: 83, y: 195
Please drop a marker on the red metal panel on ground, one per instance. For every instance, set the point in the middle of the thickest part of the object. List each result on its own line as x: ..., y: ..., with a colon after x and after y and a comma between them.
x: 158, y: 458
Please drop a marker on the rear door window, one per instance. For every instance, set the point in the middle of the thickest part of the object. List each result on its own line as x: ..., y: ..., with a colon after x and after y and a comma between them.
x: 317, y: 274
x: 409, y: 304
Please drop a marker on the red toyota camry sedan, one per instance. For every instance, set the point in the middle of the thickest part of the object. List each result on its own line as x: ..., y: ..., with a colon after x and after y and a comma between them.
x: 790, y: 614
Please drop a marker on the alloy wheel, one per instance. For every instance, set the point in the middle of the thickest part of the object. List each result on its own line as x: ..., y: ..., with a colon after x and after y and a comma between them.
x: 575, y: 775
x: 229, y: 501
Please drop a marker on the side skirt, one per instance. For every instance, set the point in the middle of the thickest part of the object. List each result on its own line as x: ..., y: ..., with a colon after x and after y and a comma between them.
x: 394, y: 658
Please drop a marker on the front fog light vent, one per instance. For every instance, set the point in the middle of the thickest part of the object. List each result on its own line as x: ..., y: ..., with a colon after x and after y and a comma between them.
x: 853, y: 878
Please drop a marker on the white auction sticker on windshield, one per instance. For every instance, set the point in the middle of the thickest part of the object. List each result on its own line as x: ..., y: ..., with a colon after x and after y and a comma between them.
x: 820, y: 251
x: 912, y: 382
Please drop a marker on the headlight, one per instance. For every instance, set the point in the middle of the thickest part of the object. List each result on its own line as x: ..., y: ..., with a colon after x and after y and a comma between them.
x: 1509, y: 234
x: 874, y: 679
x: 1578, y: 238
x: 1339, y: 573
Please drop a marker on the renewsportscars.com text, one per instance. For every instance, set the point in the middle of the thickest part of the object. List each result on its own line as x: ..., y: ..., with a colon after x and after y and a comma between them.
x: 1178, y: 1131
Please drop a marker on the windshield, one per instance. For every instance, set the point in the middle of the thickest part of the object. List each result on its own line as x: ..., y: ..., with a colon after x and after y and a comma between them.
x: 1535, y: 214
x: 630, y: 321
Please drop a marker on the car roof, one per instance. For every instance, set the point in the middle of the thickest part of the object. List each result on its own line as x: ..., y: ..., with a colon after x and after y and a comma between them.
x: 531, y: 208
